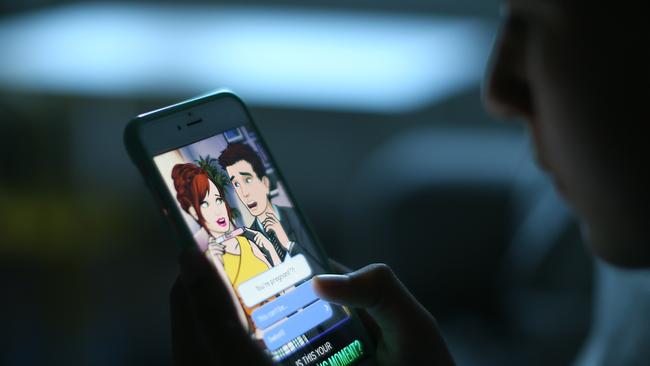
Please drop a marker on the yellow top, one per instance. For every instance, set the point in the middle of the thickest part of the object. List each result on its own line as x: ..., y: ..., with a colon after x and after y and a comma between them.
x: 244, y: 266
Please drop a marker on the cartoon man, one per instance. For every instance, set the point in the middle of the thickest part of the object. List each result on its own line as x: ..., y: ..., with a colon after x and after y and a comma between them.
x: 279, y: 225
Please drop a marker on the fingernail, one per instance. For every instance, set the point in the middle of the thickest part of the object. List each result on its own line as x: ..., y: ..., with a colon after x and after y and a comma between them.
x: 331, y: 280
x: 330, y: 285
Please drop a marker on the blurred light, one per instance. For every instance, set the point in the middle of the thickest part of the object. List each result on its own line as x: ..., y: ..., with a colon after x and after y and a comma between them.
x: 324, y: 59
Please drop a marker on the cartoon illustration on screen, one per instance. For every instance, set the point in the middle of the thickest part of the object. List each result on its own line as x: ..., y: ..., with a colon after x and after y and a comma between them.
x: 277, y: 224
x: 242, y: 218
x: 205, y: 201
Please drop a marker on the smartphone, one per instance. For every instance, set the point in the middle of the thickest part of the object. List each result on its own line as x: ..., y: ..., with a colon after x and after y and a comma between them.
x: 208, y: 167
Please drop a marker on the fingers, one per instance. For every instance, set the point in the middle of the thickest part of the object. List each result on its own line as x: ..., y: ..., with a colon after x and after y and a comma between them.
x: 254, y: 233
x: 261, y: 241
x: 258, y: 239
x: 270, y: 221
x: 187, y: 347
x: 206, y: 292
x: 369, y: 323
x: 217, y: 249
x: 215, y: 316
x: 373, y: 287
x: 269, y: 225
x: 398, y: 315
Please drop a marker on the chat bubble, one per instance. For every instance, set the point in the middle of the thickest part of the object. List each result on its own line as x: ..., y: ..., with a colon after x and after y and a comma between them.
x: 276, y: 279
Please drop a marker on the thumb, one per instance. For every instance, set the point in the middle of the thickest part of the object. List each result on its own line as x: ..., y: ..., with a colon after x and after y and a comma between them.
x: 404, y: 324
x: 376, y: 289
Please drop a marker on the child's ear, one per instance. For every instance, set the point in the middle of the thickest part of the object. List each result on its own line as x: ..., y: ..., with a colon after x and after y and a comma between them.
x: 267, y: 182
x: 192, y: 213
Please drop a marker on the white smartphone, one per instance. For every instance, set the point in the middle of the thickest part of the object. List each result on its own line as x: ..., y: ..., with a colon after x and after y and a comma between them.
x: 206, y: 163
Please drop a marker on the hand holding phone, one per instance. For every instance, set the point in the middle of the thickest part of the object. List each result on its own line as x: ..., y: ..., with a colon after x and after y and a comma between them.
x: 204, y: 320
x: 406, y: 333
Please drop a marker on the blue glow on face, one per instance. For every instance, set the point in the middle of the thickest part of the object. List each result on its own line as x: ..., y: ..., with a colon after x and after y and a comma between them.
x: 282, y: 57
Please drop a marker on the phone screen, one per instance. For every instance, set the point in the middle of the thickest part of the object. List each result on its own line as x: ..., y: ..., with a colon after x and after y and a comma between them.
x: 244, y: 221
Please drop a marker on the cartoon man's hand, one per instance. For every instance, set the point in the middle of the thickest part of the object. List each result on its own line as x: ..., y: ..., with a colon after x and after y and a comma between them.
x: 260, y: 240
x: 271, y: 223
x: 263, y: 242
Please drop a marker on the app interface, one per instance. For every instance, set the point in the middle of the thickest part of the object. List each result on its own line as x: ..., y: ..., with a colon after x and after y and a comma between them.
x: 245, y: 223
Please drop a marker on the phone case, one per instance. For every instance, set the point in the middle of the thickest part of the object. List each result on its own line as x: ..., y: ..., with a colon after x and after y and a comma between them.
x: 133, y: 140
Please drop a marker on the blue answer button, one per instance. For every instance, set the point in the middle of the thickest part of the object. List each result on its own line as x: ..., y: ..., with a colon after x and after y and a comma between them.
x: 297, y: 324
x: 270, y: 313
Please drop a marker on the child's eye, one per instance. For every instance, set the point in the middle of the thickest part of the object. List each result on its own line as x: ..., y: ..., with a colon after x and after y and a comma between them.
x: 248, y: 180
x: 219, y: 201
x: 237, y: 184
x: 204, y: 204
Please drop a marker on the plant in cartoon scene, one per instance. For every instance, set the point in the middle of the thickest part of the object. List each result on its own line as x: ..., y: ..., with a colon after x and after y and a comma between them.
x: 218, y: 177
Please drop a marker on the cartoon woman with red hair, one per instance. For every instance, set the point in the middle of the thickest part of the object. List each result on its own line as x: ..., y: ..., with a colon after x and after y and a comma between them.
x: 205, y: 202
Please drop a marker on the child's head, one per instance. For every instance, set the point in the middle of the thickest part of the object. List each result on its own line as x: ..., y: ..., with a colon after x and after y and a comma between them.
x: 572, y: 70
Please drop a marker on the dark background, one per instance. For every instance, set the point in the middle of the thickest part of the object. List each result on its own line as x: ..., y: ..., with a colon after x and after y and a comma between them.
x: 445, y: 194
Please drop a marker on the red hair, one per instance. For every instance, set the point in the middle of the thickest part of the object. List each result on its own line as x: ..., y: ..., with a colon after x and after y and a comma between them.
x: 192, y: 185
